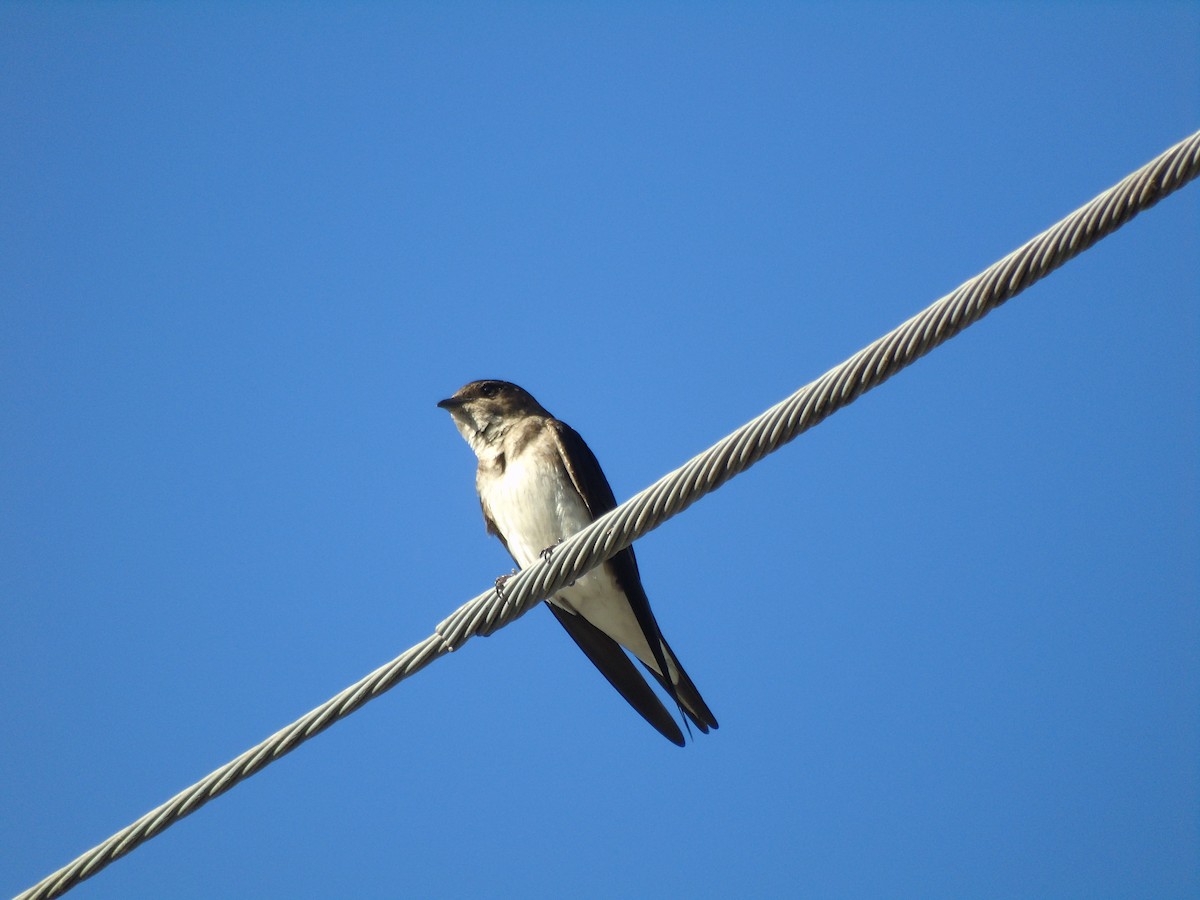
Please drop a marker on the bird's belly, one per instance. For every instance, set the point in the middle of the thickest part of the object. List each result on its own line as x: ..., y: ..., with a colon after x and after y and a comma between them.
x: 597, y: 597
x: 535, y: 506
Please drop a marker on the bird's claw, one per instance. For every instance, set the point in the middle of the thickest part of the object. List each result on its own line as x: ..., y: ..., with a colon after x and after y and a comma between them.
x: 501, y: 581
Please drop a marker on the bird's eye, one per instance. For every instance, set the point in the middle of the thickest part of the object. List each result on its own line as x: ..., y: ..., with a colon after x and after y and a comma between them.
x: 488, y: 390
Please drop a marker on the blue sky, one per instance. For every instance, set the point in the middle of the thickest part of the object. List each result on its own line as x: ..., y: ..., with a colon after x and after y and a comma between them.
x: 952, y: 635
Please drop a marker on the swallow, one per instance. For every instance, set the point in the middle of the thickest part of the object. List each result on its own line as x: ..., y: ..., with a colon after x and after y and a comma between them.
x: 538, y: 484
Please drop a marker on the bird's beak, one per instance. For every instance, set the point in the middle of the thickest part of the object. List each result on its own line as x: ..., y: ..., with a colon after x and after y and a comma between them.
x: 450, y: 404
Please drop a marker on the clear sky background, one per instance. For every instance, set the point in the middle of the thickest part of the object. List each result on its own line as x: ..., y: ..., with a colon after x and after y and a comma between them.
x: 952, y: 635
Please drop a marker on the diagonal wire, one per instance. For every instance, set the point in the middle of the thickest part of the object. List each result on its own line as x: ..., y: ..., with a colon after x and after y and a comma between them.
x: 678, y: 490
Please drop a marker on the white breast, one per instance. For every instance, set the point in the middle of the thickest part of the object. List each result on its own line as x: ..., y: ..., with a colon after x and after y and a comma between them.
x: 533, y: 505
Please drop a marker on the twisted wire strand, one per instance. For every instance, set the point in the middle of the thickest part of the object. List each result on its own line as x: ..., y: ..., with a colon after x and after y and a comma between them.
x: 678, y: 490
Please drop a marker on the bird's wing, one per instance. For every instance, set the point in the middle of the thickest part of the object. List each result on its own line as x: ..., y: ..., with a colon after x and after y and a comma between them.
x: 588, y: 478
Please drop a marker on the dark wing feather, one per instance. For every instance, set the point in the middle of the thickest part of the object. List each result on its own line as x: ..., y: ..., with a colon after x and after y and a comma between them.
x: 583, y: 467
x: 589, y: 480
x: 492, y: 529
x: 607, y: 656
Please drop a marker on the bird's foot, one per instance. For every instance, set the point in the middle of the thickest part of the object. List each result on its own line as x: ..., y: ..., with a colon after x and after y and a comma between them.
x: 549, y: 551
x: 501, y: 581
x: 486, y: 630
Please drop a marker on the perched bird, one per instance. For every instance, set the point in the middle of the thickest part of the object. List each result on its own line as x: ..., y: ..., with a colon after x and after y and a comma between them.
x: 538, y: 484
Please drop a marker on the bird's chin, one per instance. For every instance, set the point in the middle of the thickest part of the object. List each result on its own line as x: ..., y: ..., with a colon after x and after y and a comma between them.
x: 466, y: 427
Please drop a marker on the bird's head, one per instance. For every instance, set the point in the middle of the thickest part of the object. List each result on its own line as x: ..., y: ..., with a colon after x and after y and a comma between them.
x: 484, y: 410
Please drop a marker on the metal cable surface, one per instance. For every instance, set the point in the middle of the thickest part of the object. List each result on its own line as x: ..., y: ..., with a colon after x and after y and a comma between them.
x: 678, y: 490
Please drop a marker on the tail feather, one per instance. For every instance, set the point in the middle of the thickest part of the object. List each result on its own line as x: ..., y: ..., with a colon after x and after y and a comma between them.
x: 607, y: 656
x: 686, y: 694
